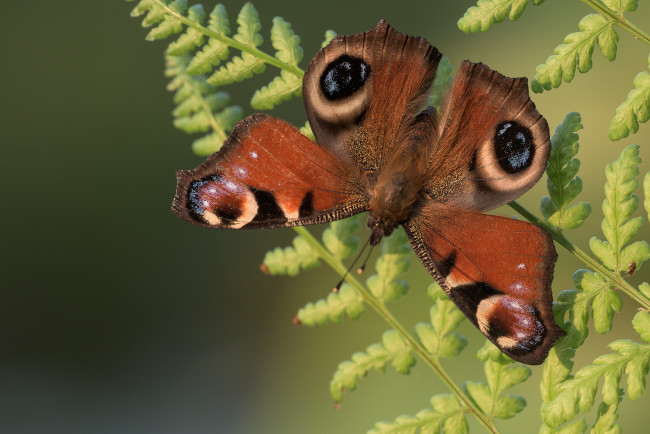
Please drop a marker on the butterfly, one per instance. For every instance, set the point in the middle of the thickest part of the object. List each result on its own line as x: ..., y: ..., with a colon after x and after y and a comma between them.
x: 381, y: 149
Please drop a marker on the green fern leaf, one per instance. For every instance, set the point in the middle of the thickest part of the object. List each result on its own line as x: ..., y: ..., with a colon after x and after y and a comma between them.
x: 241, y: 68
x: 444, y: 78
x: 292, y: 259
x: 562, y: 183
x: 634, y: 110
x: 392, y: 349
x: 447, y: 415
x: 598, y: 293
x: 439, y: 336
x: 618, y: 226
x: 306, y: 130
x: 281, y: 88
x: 578, y: 394
x: 576, y: 51
x: 214, y: 51
x: 141, y: 8
x: 329, y: 35
x: 606, y: 419
x: 620, y: 6
x: 199, y: 106
x: 224, y: 121
x: 340, y: 238
x: 286, y: 85
x: 644, y: 288
x: 501, y: 374
x: 169, y: 24
x: 646, y: 193
x: 192, y: 38
x: 487, y: 12
x: 346, y: 301
x: 390, y: 266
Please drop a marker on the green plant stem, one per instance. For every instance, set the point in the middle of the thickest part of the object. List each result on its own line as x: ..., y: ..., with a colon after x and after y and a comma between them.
x: 379, y: 307
x: 558, y: 236
x: 266, y: 58
x: 618, y: 20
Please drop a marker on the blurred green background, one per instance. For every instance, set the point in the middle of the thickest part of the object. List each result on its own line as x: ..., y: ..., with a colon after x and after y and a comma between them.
x: 116, y: 317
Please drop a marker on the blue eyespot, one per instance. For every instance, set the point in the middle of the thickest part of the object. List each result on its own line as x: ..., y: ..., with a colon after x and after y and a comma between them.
x: 343, y: 77
x: 514, y: 146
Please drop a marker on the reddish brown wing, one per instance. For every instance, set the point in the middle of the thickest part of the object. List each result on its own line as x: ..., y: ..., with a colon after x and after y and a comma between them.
x: 497, y: 270
x: 361, y: 90
x: 267, y: 174
x: 493, y: 144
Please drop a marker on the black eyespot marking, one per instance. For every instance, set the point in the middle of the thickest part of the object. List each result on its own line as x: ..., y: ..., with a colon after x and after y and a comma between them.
x: 227, y: 214
x: 267, y: 208
x: 194, y: 204
x: 514, y: 146
x: 307, y: 205
x: 343, y: 77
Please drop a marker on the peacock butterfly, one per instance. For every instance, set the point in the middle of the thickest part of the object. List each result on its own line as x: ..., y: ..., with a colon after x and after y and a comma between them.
x: 380, y: 149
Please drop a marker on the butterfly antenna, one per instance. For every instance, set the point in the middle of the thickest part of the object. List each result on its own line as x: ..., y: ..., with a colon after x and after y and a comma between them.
x: 338, y: 286
x: 361, y: 269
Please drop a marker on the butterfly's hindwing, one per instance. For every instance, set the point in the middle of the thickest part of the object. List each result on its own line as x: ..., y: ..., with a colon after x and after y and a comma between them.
x: 497, y: 270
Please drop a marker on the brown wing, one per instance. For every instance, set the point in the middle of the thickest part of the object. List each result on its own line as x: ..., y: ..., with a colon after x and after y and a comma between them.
x: 497, y: 270
x: 493, y: 144
x: 267, y: 174
x: 360, y: 89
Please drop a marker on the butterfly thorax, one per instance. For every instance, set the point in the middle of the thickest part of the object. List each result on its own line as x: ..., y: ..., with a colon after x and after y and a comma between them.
x: 394, y: 197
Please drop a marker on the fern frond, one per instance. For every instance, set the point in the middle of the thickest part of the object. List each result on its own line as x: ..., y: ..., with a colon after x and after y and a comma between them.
x: 244, y: 66
x: 646, y: 193
x: 579, y: 393
x: 215, y: 50
x: 306, y: 130
x: 392, y: 349
x: 501, y: 373
x: 340, y: 237
x: 562, y: 183
x: 446, y: 414
x: 390, y: 266
x: 618, y: 226
x: 200, y: 107
x: 634, y: 110
x: 620, y: 6
x: 286, y: 85
x: 192, y: 38
x: 290, y: 260
x: 439, y: 336
x: 606, y: 419
x: 487, y: 12
x: 346, y: 301
x: 444, y: 78
x: 576, y: 51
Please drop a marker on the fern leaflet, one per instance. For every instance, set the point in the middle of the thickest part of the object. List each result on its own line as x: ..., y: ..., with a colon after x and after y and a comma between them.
x: 487, y: 12
x: 446, y: 414
x: 392, y: 349
x: 579, y: 393
x: 576, y: 51
x: 634, y: 110
x: 562, y: 183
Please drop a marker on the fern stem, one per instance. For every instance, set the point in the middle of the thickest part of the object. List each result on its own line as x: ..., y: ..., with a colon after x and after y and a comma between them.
x: 614, y: 278
x: 232, y: 42
x: 379, y: 307
x: 618, y: 20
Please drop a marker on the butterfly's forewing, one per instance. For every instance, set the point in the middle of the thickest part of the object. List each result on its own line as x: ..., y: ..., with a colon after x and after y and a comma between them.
x: 267, y: 174
x: 493, y: 144
x: 360, y: 89
x: 497, y: 270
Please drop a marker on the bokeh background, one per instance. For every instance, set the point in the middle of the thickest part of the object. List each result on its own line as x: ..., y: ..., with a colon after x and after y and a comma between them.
x: 116, y: 317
